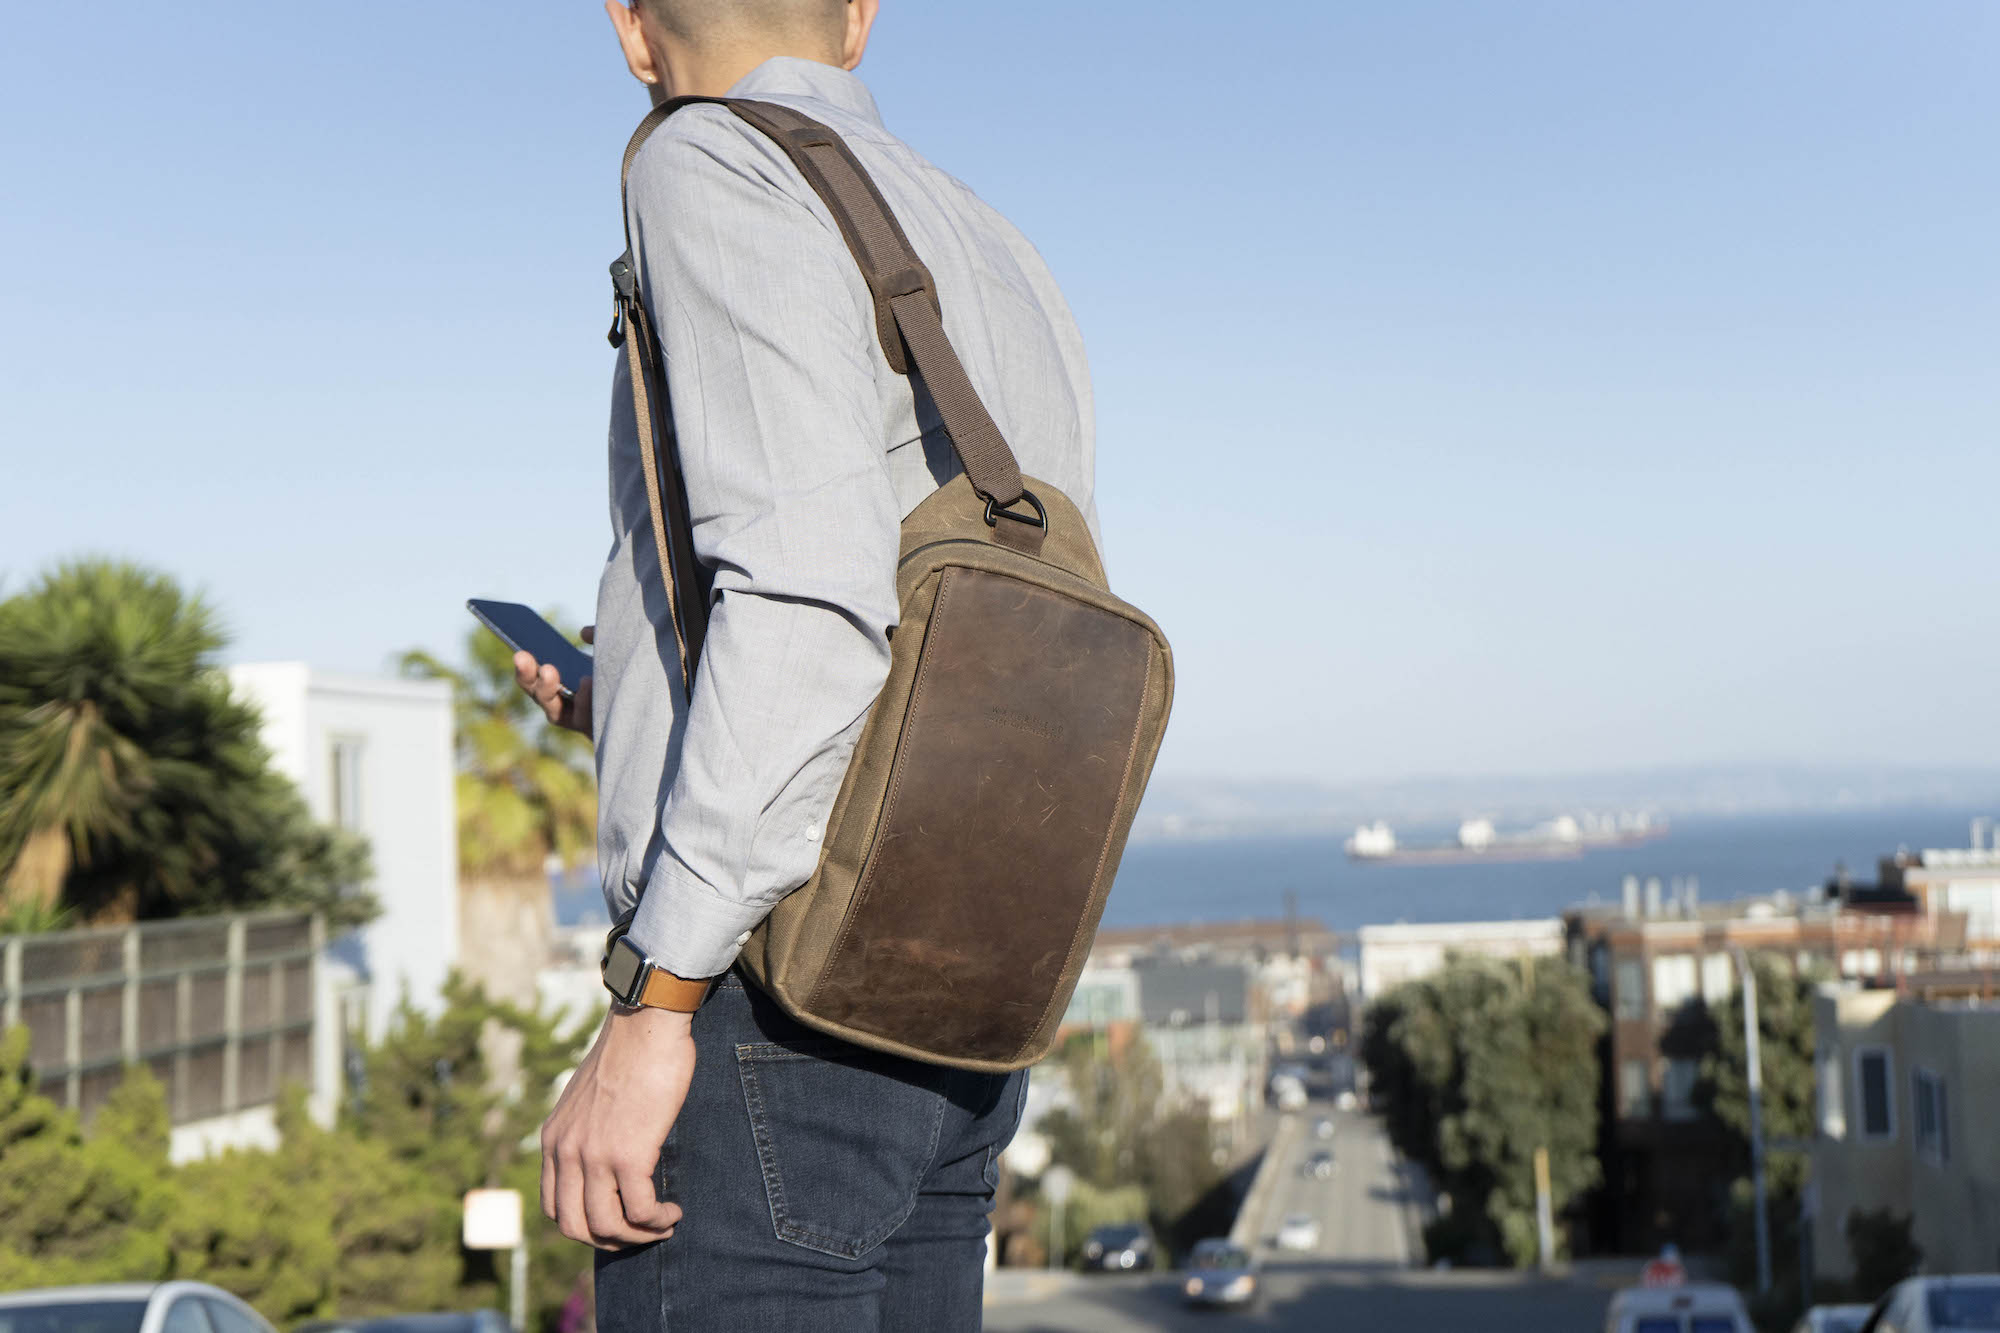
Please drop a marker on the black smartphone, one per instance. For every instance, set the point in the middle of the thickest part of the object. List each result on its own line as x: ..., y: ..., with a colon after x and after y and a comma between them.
x: 521, y: 629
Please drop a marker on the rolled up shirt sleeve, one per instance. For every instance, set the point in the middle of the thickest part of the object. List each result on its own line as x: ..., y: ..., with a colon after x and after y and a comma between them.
x: 777, y: 419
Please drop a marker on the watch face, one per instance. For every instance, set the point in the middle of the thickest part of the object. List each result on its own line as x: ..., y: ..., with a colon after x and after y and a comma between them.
x: 622, y: 968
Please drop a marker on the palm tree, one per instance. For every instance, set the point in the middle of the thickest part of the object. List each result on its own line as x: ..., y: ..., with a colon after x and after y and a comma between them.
x: 132, y: 782
x: 526, y: 799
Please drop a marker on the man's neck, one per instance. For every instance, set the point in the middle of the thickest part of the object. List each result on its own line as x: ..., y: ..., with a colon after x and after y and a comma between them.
x: 713, y: 73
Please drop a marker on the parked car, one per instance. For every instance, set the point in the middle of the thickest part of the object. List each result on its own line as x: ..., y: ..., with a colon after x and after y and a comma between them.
x: 1698, y: 1307
x: 1220, y: 1274
x: 456, y: 1321
x: 1118, y: 1248
x: 128, y: 1307
x: 1832, y: 1319
x: 1969, y: 1304
x: 1300, y: 1231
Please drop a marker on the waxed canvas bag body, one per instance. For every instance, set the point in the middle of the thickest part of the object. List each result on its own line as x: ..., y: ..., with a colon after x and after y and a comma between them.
x: 980, y: 823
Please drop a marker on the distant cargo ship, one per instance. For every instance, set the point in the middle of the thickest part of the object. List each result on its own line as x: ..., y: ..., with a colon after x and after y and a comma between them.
x: 1561, y: 839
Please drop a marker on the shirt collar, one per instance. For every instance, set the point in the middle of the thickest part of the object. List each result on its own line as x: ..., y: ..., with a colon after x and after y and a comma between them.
x: 790, y: 76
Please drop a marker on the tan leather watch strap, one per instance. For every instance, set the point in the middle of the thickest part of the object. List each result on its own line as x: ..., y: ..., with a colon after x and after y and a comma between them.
x: 664, y: 990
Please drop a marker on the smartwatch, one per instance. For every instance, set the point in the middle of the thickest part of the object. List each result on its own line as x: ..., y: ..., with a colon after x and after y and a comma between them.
x: 636, y: 981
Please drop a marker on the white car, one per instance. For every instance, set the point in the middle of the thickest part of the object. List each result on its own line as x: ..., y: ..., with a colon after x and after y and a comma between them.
x: 1300, y: 1231
x: 1832, y: 1319
x: 1697, y: 1307
x: 129, y: 1307
x: 1969, y: 1304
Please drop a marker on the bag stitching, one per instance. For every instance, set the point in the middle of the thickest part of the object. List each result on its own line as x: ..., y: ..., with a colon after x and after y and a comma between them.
x: 898, y: 771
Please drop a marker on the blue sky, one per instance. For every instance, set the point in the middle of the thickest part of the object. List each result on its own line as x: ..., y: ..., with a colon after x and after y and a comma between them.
x: 1482, y: 388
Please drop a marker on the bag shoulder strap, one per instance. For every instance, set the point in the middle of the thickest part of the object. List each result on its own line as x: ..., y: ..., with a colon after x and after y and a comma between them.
x: 908, y: 322
x: 907, y: 314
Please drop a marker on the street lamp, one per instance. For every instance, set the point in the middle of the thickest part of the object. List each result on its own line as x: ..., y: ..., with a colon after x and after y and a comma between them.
x: 1753, y: 1058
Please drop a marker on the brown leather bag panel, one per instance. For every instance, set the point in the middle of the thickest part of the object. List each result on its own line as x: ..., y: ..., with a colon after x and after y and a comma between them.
x: 989, y: 862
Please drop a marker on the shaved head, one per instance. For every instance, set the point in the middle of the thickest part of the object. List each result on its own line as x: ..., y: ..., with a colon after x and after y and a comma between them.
x: 680, y: 48
x: 714, y: 24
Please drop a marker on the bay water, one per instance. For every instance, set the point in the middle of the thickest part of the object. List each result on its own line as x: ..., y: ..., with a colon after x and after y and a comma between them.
x: 1229, y: 879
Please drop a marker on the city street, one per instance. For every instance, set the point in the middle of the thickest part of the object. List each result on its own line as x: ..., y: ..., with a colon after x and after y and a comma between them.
x: 1359, y: 1277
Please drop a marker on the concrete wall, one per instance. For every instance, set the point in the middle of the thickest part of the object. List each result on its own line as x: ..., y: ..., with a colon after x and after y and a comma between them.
x: 1953, y: 1198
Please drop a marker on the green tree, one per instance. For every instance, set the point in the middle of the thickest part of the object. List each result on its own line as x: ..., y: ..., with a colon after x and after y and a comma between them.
x: 430, y: 1097
x: 427, y: 1089
x: 1477, y: 1066
x: 526, y: 794
x: 1787, y: 1042
x: 359, y: 1219
x: 328, y: 1223
x: 1883, y: 1249
x: 1786, y: 1036
x: 1115, y: 1094
x: 78, y: 1207
x: 132, y: 782
x: 1121, y: 1135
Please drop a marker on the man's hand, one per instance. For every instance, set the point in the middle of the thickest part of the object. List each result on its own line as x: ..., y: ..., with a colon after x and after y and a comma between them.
x: 545, y: 686
x: 601, y: 1143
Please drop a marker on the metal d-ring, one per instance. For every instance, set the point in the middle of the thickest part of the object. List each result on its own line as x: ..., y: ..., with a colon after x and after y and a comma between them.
x: 994, y: 513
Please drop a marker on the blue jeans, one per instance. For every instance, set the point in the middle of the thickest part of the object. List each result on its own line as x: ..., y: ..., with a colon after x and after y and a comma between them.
x: 824, y: 1187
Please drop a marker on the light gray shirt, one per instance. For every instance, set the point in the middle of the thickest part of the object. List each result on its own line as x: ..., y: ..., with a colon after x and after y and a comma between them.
x: 802, y: 452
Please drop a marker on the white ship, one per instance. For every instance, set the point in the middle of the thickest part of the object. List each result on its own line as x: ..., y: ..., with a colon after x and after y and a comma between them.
x: 1562, y: 838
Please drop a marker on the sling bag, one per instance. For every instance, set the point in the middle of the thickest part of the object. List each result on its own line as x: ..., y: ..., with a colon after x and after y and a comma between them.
x: 988, y: 800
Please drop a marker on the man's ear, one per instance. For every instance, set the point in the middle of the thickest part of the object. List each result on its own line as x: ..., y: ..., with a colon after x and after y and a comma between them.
x: 631, y: 30
x: 860, y: 21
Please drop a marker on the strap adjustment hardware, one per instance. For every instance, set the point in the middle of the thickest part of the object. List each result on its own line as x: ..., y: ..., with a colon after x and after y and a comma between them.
x: 1039, y: 519
x: 624, y: 290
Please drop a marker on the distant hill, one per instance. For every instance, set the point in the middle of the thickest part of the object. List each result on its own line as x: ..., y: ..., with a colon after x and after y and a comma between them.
x: 1196, y: 806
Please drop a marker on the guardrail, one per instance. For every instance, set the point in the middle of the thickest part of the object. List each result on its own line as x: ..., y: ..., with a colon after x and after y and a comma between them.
x: 1249, y: 1229
x: 220, y: 1008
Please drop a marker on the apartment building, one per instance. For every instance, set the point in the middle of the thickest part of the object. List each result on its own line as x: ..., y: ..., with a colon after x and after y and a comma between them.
x: 1658, y: 962
x: 1908, y: 1088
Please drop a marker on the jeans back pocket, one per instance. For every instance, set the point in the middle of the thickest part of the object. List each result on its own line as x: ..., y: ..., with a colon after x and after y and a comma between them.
x: 844, y: 1138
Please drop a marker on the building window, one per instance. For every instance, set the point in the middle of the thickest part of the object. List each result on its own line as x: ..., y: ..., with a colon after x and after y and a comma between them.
x: 1874, y: 1081
x: 1718, y: 978
x: 1931, y: 1134
x: 1677, y: 1089
x: 1832, y: 1109
x: 345, y: 783
x: 1674, y: 982
x: 1635, y: 1090
x: 1629, y: 988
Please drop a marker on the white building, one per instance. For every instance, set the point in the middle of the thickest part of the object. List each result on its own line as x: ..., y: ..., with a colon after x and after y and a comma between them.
x: 1391, y: 955
x: 375, y: 756
x: 1963, y: 880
